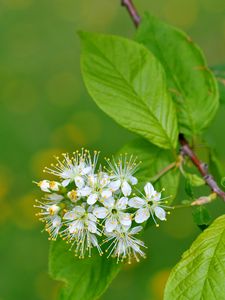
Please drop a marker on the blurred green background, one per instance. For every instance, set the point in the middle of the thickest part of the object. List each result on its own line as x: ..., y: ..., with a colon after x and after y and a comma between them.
x: 45, y: 110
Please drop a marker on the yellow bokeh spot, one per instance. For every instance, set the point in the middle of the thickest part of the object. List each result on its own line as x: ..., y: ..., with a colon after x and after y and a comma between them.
x: 181, y: 13
x: 158, y: 283
x: 69, y: 136
x: 42, y: 159
x: 19, y: 96
x: 63, y: 89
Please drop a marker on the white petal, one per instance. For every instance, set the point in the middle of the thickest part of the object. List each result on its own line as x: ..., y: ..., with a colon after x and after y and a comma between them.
x: 106, y: 194
x: 157, y: 196
x: 92, y: 227
x: 94, y: 240
x: 92, y: 199
x: 92, y: 179
x: 160, y: 213
x: 65, y: 182
x: 55, y: 197
x: 125, y: 219
x: 70, y: 215
x: 126, y: 188
x: 133, y: 180
x: 79, y: 181
x: 136, y: 202
x: 86, y: 170
x: 100, y: 212
x: 56, y: 222
x: 53, y: 209
x: 104, y: 180
x: 115, y: 185
x: 75, y: 226
x: 142, y: 215
x: 149, y: 190
x: 84, y: 191
x: 122, y: 203
x: 109, y: 203
x: 91, y: 217
x: 44, y: 185
x: 136, y: 229
x: 110, y: 224
x: 79, y: 210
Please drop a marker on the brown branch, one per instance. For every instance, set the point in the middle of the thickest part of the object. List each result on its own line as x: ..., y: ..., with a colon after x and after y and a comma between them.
x: 185, y: 147
x: 132, y: 11
x: 201, y: 166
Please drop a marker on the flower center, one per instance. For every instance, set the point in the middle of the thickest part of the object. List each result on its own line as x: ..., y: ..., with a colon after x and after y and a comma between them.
x: 114, y: 211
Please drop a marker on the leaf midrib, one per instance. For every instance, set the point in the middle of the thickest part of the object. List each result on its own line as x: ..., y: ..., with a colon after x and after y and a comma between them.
x: 135, y: 94
x: 176, y: 82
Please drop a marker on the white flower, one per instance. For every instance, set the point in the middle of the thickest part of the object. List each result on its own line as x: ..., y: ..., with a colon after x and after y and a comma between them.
x: 124, y: 245
x: 48, y: 186
x: 49, y: 215
x: 81, y: 230
x: 113, y: 213
x: 98, y: 188
x: 86, y: 203
x: 150, y: 204
x: 44, y: 185
x: 122, y: 174
x: 74, y: 168
x: 54, y: 197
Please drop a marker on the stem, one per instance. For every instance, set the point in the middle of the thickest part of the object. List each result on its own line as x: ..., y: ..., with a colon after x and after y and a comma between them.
x: 185, y: 147
x: 201, y: 166
x: 163, y: 171
x: 132, y: 11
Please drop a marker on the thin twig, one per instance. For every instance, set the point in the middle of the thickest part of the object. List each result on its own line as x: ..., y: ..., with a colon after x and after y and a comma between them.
x: 201, y: 166
x: 164, y: 171
x: 185, y: 147
x: 132, y: 11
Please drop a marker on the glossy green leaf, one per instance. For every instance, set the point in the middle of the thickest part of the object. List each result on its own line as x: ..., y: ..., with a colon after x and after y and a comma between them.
x: 84, y: 279
x: 219, y: 72
x: 153, y: 161
x: 200, y: 273
x: 191, y: 83
x: 128, y: 83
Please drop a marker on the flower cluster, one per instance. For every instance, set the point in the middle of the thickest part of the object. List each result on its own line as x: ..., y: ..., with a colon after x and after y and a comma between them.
x: 95, y: 207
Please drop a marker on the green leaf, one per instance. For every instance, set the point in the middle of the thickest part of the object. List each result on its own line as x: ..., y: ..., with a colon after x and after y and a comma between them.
x: 84, y: 279
x: 200, y: 273
x: 128, y: 83
x: 191, y: 83
x: 195, y: 180
x: 219, y: 72
x: 201, y: 215
x: 153, y: 161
